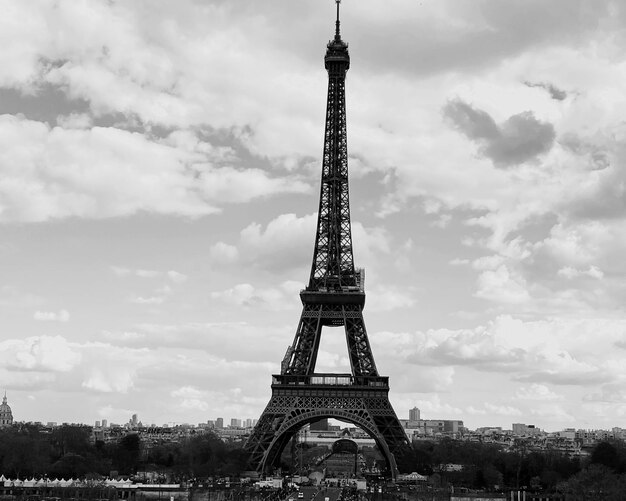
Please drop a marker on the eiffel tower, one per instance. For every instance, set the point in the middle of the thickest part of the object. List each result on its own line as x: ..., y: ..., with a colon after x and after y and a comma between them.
x: 334, y: 297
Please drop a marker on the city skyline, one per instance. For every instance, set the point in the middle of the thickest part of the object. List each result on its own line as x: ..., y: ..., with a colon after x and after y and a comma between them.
x: 159, y: 178
x: 410, y: 424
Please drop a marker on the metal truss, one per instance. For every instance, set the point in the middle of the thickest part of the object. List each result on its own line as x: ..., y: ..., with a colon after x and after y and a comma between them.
x: 307, y: 340
x: 333, y: 263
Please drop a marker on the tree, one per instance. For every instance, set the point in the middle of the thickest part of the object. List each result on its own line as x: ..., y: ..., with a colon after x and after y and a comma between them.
x: 127, y: 454
x: 594, y: 482
x: 24, y: 451
x: 71, y: 438
x: 70, y: 466
x: 605, y: 454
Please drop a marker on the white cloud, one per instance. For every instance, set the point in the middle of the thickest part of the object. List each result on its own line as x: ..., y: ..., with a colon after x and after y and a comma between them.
x: 488, y: 262
x: 108, y: 382
x: 240, y: 294
x: 283, y: 243
x: 109, y: 368
x: 425, y: 380
x: 569, y: 272
x: 223, y: 253
x: 271, y: 298
x: 229, y: 185
x: 43, y: 353
x: 147, y: 300
x: 30, y: 380
x: 389, y: 298
x: 173, y: 275
x: 191, y: 398
x: 120, y: 271
x: 147, y: 273
x: 608, y: 393
x: 554, y: 413
x: 75, y: 121
x: 15, y: 298
x: 106, y: 172
x: 123, y: 336
x: 537, y: 392
x: 502, y: 285
x: 176, y: 277
x: 51, y: 316
x: 539, y: 352
x: 101, y: 172
x: 501, y: 410
x: 459, y: 261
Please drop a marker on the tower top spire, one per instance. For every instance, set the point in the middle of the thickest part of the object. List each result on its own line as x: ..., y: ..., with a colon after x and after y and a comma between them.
x: 337, y: 34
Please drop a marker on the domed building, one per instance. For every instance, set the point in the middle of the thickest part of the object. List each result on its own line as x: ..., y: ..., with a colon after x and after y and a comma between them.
x: 6, y: 416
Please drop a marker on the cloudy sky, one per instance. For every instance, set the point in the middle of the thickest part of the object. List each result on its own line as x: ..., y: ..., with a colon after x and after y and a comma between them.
x: 159, y: 177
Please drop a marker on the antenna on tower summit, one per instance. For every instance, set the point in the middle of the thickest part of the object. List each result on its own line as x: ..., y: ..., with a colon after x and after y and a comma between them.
x: 337, y: 35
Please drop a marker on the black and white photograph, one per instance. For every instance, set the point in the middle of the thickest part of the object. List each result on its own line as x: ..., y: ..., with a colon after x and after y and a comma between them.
x: 315, y: 249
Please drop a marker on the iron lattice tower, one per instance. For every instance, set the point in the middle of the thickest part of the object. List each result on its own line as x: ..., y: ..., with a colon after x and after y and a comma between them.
x: 334, y: 297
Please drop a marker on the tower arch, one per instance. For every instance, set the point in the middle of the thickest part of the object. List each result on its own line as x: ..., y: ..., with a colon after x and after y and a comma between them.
x: 297, y: 420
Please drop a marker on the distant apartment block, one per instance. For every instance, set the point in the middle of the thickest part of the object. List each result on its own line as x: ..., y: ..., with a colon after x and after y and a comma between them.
x: 432, y: 427
x: 526, y: 430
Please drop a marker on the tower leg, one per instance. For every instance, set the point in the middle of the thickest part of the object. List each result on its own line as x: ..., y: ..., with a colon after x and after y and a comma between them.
x: 361, y: 358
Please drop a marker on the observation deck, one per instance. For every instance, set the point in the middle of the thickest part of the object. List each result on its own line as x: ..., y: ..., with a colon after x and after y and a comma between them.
x: 343, y: 296
x: 326, y: 380
x: 337, y: 52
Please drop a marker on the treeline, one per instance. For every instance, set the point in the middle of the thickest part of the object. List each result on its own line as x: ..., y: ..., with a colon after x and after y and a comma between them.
x: 67, y: 451
x: 489, y: 466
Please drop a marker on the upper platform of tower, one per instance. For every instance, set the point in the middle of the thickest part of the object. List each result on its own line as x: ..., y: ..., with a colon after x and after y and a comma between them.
x: 337, y: 49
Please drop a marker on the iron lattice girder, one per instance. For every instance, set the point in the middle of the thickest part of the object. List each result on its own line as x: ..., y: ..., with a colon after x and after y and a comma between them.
x: 290, y: 408
x: 307, y: 339
x: 333, y: 262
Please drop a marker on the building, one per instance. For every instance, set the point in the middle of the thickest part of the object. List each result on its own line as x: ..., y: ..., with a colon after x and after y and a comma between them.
x: 568, y: 433
x: 432, y: 427
x: 525, y: 430
x: 589, y: 438
x: 321, y: 425
x: 235, y: 423
x: 414, y: 414
x: 6, y: 416
x: 219, y: 423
